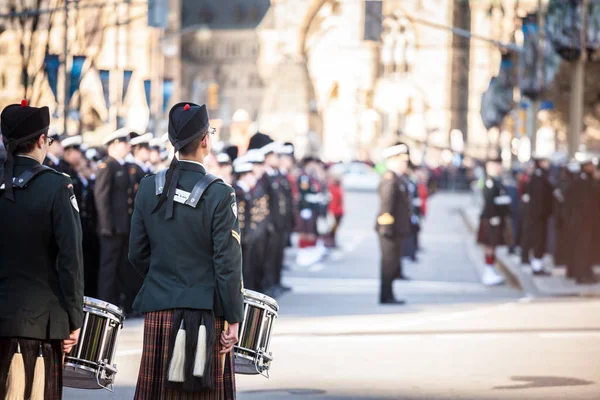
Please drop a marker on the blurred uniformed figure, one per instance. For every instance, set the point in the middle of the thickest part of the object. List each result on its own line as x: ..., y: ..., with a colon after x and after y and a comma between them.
x: 583, y: 195
x: 140, y: 150
x: 540, y: 191
x: 185, y: 238
x: 561, y: 247
x: 492, y: 222
x: 281, y: 212
x: 260, y: 217
x: 157, y: 148
x: 309, y: 202
x: 225, y: 170
x: 244, y: 184
x: 41, y: 266
x: 114, y: 203
x: 71, y: 164
x: 411, y: 242
x: 393, y: 220
x: 288, y: 170
x: 55, y: 151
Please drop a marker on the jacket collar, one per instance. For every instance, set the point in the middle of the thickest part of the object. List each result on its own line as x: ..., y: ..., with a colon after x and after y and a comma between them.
x: 25, y: 161
x: 192, y: 166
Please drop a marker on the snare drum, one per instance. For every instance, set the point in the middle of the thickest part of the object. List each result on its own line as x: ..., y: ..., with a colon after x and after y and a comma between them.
x: 90, y: 364
x: 252, y: 355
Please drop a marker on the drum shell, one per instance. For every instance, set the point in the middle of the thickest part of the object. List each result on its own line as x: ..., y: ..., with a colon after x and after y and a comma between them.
x: 89, y: 365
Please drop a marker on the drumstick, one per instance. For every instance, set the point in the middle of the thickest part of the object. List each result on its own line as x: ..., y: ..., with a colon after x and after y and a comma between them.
x: 225, y: 328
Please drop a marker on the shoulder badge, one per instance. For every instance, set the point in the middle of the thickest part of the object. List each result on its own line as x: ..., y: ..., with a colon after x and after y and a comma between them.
x: 385, y: 219
x: 74, y: 203
x: 234, y: 208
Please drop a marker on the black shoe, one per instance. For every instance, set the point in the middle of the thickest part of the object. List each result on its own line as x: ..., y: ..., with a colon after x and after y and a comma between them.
x: 392, y: 301
x: 541, y: 273
x: 404, y: 278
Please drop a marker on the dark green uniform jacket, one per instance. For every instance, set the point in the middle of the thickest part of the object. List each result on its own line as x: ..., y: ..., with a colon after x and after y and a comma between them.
x: 41, y: 261
x: 193, y: 260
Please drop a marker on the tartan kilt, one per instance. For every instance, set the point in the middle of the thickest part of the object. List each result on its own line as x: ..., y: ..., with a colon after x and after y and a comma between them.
x: 52, y: 352
x: 493, y: 236
x: 151, y: 384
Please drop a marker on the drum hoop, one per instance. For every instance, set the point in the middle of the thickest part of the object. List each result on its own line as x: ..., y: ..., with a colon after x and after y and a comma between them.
x: 259, y: 354
x: 103, y: 305
x: 265, y: 306
x: 83, y: 367
x: 103, y: 313
x: 257, y: 296
x: 245, y: 349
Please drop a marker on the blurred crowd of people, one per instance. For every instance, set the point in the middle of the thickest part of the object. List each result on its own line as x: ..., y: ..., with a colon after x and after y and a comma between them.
x: 542, y: 209
x: 277, y: 195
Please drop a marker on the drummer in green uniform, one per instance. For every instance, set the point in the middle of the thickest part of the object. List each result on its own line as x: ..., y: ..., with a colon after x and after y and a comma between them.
x: 41, y: 260
x: 185, y: 239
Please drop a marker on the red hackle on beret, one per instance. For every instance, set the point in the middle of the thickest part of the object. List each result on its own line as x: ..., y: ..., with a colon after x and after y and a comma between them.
x: 24, y: 103
x: 186, y: 107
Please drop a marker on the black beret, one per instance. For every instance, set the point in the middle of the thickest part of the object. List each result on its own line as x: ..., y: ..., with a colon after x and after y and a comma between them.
x: 232, y: 152
x: 187, y: 122
x: 20, y: 122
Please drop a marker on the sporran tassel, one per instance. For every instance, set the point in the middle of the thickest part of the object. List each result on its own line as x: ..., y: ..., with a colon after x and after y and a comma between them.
x: 177, y: 365
x: 200, y: 362
x: 39, y: 377
x: 15, y: 382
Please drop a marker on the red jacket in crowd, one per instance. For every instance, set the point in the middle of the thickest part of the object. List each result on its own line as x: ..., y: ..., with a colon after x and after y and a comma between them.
x: 336, y: 205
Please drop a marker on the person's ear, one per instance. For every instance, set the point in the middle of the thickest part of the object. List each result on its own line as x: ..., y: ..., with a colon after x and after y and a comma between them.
x: 205, y: 141
x: 41, y: 141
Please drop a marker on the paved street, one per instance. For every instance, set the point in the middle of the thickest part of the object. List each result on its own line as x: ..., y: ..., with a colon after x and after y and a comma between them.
x: 454, y: 340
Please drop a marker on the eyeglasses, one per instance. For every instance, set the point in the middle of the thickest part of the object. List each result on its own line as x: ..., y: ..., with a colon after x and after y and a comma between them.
x: 49, y: 140
x: 212, y: 131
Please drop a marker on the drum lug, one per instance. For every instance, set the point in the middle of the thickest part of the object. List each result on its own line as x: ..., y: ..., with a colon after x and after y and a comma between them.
x: 101, y: 371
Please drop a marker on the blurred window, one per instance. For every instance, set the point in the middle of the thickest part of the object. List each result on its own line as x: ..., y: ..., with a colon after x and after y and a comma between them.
x: 239, y: 13
x: 206, y: 16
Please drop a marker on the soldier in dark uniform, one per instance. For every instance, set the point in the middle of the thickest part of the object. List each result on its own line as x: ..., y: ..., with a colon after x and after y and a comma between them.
x: 70, y: 164
x: 283, y: 214
x: 260, y: 220
x: 492, y: 221
x: 583, y: 197
x: 41, y: 268
x: 309, y: 202
x: 393, y: 220
x: 55, y: 151
x: 225, y: 170
x: 187, y: 244
x: 540, y: 191
x: 114, y: 204
x: 139, y: 162
x: 245, y: 182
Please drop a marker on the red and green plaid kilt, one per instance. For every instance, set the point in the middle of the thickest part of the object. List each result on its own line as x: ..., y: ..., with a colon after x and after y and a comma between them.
x: 155, y: 359
x: 30, y: 348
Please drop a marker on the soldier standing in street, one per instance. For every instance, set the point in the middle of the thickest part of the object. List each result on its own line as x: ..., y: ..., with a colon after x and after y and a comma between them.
x: 583, y: 197
x: 185, y: 238
x: 539, y: 190
x: 70, y: 164
x: 260, y: 219
x: 245, y: 181
x: 41, y: 268
x: 393, y: 220
x: 492, y: 221
x: 114, y: 203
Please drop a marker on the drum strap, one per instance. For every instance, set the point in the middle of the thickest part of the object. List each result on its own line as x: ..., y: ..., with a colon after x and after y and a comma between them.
x: 181, y: 196
x: 22, y: 180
